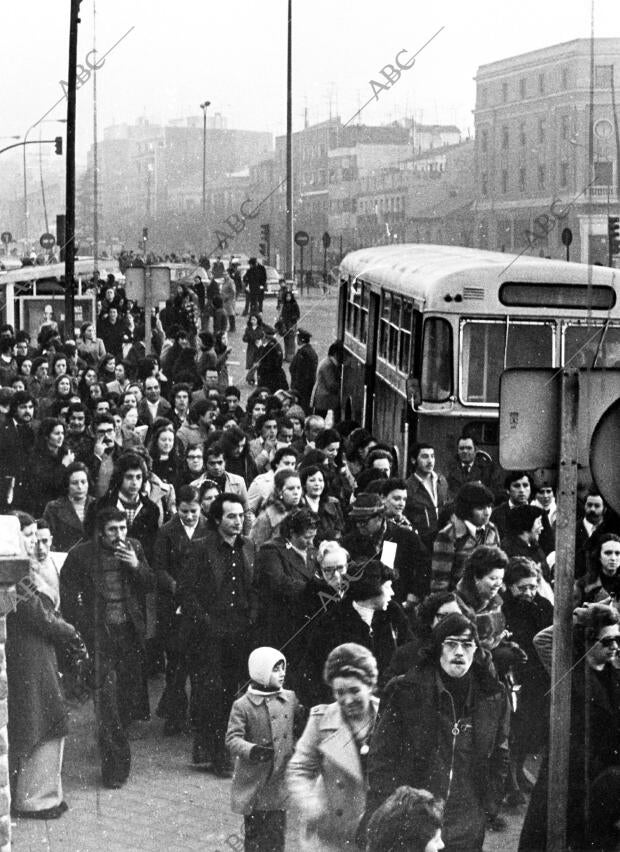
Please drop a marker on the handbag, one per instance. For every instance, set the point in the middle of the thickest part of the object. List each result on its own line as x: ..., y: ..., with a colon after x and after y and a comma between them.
x: 76, y: 670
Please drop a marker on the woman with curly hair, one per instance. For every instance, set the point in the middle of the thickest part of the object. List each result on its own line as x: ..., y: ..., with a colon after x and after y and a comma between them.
x: 50, y: 459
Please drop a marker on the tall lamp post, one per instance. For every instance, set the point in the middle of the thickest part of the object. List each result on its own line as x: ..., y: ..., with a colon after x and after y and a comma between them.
x: 203, y: 107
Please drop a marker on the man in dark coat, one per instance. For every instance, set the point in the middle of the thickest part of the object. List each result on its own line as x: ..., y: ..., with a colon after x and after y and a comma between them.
x: 255, y: 279
x: 101, y: 586
x: 303, y: 368
x: 172, y: 548
x: 469, y: 467
x: 16, y: 443
x: 268, y: 362
x: 111, y: 331
x: 427, y: 493
x: 444, y: 728
x: 218, y: 607
x: 375, y: 538
x: 366, y: 615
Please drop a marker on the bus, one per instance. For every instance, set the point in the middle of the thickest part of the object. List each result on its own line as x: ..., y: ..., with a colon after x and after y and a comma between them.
x: 31, y: 293
x: 429, y: 329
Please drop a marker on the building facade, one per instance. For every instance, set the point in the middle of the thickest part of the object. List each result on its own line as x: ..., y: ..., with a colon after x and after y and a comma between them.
x: 546, y: 139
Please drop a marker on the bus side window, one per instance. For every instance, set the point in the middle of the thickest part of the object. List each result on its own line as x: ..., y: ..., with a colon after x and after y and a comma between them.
x: 437, y: 383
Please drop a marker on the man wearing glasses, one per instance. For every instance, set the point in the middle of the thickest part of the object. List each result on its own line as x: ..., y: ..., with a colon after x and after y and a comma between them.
x: 105, y: 453
x: 445, y: 729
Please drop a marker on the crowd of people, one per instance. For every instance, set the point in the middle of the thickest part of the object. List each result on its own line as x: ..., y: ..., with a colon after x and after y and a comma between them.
x: 235, y: 549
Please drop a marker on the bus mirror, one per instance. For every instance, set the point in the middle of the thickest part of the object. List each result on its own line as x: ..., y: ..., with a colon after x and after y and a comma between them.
x: 414, y: 394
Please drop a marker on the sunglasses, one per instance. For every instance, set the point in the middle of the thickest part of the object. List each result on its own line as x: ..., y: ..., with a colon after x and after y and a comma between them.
x: 610, y: 641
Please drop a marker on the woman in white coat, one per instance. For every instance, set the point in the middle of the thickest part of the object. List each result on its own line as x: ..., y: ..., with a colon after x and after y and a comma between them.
x: 326, y: 775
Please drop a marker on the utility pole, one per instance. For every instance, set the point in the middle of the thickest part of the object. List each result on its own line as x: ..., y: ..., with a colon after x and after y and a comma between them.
x: 70, y: 166
x: 290, y: 248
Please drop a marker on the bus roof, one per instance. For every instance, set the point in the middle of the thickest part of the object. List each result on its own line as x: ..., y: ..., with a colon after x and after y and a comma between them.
x: 83, y: 266
x: 427, y: 273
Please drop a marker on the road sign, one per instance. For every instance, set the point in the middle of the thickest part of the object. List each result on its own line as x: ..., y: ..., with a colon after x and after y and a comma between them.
x: 326, y: 240
x: 567, y: 237
x: 528, y: 413
x: 6, y: 237
x: 47, y: 241
x: 302, y: 238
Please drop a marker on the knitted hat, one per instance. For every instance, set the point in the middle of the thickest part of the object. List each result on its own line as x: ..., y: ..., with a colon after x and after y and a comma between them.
x: 297, y: 412
x: 261, y: 662
x: 366, y: 506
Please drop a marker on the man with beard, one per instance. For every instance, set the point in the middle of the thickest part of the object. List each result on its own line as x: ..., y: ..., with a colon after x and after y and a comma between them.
x: 102, y: 584
x: 592, y: 523
x: 16, y: 443
x: 444, y: 728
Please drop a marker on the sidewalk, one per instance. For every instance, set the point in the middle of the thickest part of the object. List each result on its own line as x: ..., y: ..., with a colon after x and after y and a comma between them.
x: 165, y: 805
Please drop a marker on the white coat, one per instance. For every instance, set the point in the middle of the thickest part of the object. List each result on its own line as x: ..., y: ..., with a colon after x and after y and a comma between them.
x: 325, y: 780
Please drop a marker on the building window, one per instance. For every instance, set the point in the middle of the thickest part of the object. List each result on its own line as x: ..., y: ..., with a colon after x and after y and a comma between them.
x: 505, y: 138
x: 484, y: 141
x: 522, y: 179
x: 505, y: 93
x: 563, y: 174
x: 523, y: 88
x: 541, y: 129
x: 565, y: 78
x: 565, y: 127
x: 484, y: 183
x: 504, y: 181
x: 541, y: 177
x: 522, y: 137
x: 541, y: 84
x: 482, y: 96
x: 603, y: 76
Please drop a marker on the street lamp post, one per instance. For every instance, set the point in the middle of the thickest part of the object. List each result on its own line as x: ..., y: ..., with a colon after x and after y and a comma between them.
x: 203, y: 107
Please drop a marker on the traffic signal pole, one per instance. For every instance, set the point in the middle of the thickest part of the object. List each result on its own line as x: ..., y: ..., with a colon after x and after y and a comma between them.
x: 70, y: 174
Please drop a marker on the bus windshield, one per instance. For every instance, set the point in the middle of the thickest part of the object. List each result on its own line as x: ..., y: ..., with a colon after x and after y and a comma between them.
x: 584, y: 343
x: 486, y: 352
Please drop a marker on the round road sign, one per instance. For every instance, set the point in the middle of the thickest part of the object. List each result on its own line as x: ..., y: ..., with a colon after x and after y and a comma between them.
x: 302, y: 238
x: 47, y: 241
x: 6, y: 237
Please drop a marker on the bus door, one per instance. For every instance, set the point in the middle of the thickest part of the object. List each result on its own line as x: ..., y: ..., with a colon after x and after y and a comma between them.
x: 370, y: 370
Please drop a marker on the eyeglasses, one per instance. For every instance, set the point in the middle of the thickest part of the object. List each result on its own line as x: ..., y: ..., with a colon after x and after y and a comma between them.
x: 610, y: 641
x: 107, y: 431
x: 455, y: 644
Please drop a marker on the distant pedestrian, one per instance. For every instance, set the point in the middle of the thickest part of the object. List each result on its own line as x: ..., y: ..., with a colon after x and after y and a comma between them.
x: 255, y: 280
x: 229, y: 295
x: 287, y: 323
x: 261, y: 738
x: 326, y: 391
x: 304, y: 368
x: 268, y: 362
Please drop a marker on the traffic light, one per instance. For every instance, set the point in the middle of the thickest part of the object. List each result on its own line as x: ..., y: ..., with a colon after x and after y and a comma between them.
x: 264, y: 246
x: 58, y: 144
x: 145, y: 234
x: 613, y: 233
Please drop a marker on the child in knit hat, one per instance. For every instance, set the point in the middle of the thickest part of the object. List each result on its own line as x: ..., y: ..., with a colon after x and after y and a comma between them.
x: 261, y: 735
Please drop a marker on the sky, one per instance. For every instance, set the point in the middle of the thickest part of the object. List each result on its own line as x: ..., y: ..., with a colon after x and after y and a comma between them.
x: 173, y: 56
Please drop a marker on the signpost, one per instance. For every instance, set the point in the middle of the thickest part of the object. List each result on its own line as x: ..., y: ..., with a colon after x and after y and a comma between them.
x: 6, y: 237
x: 302, y: 238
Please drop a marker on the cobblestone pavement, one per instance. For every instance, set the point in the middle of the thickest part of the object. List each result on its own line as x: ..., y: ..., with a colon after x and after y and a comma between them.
x: 165, y: 805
